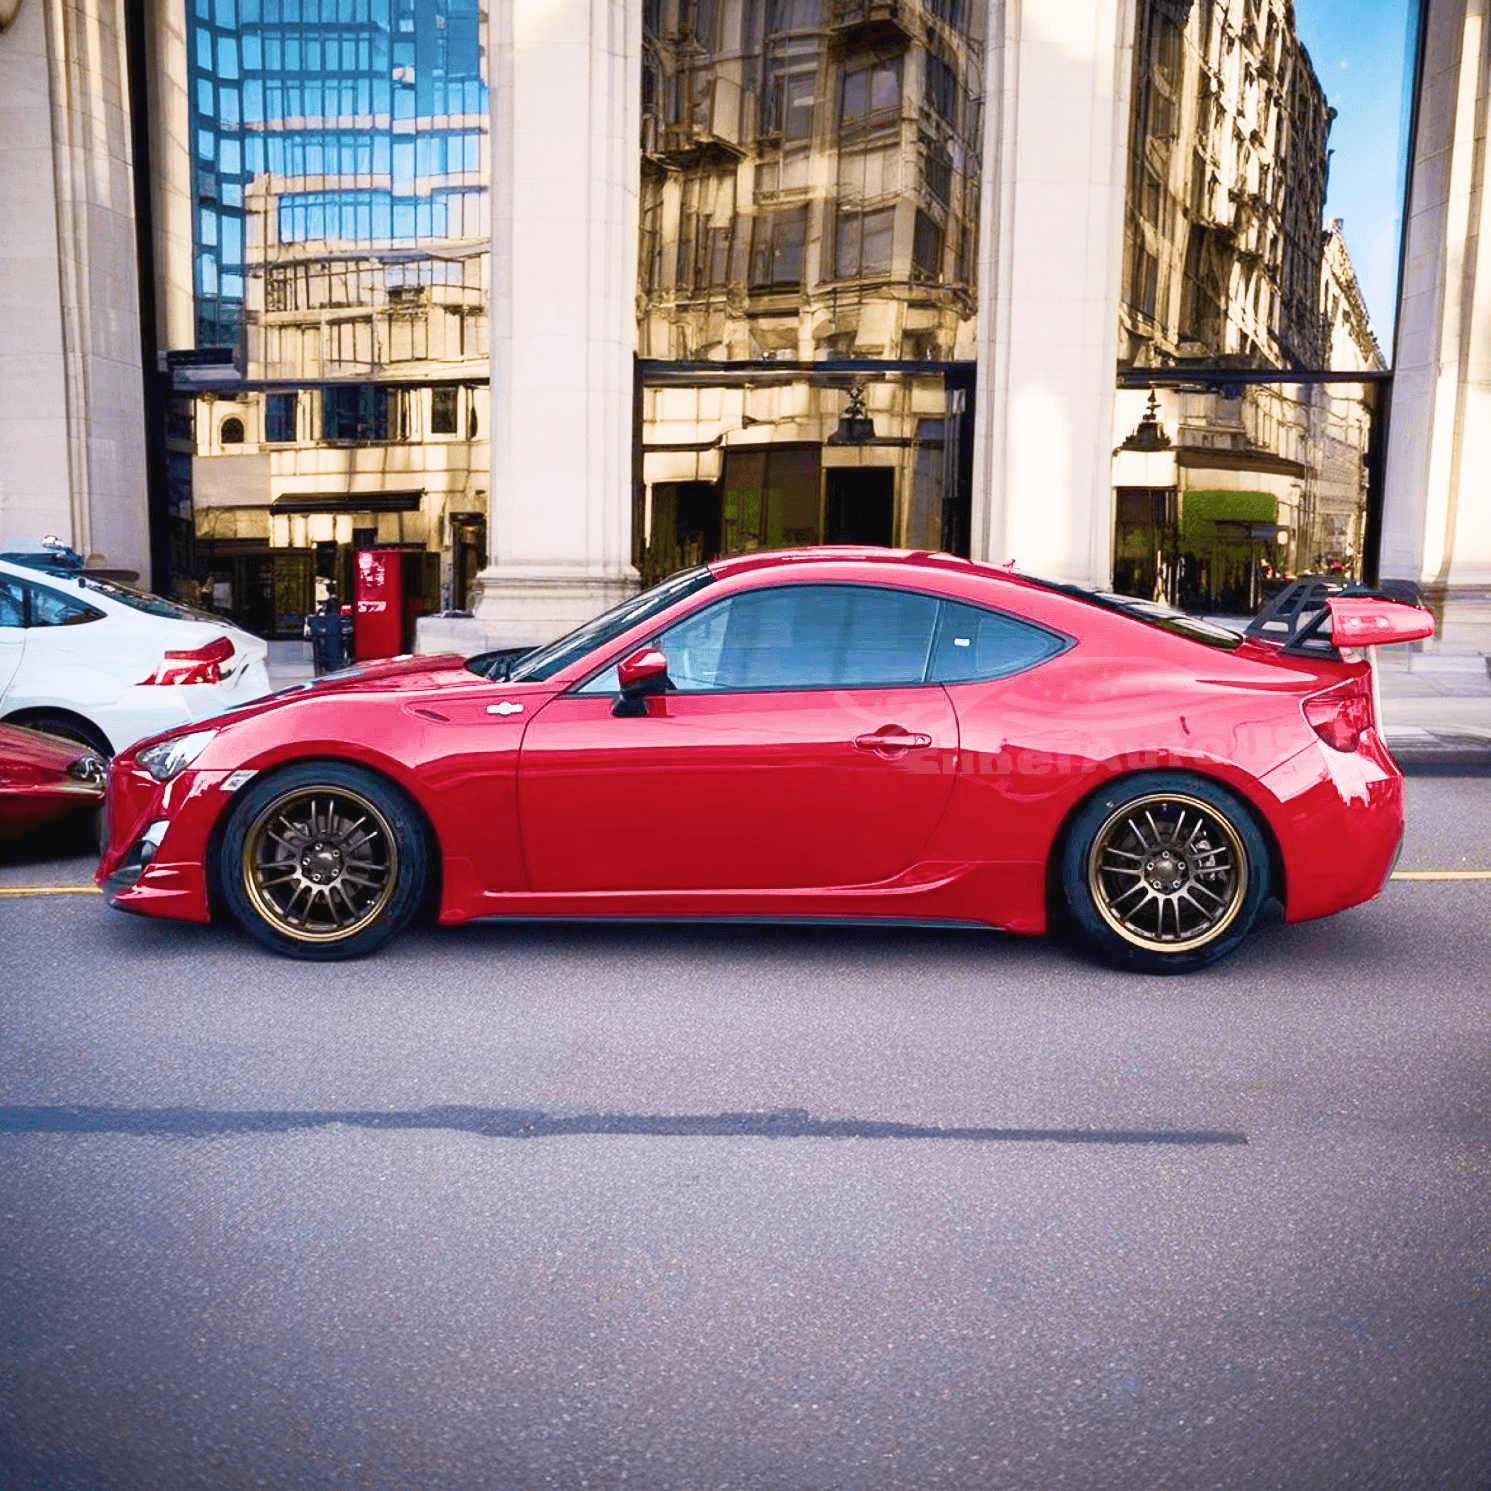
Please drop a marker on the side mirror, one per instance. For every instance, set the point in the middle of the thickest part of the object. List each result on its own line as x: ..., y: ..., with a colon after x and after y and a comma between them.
x: 641, y: 673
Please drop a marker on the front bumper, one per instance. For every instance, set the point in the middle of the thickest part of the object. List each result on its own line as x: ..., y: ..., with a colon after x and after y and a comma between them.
x: 173, y: 881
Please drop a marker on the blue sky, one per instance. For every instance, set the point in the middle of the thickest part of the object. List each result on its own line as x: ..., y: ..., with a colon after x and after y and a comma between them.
x: 1363, y: 55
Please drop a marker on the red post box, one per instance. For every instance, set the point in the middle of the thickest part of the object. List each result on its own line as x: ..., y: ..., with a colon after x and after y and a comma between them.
x: 378, y: 603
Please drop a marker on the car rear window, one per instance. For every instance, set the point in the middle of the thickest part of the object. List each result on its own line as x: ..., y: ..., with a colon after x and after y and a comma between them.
x: 143, y: 600
x: 1151, y: 613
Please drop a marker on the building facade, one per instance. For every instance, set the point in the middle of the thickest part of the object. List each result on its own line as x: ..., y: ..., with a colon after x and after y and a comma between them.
x: 340, y: 259
x: 809, y: 211
x: 773, y: 272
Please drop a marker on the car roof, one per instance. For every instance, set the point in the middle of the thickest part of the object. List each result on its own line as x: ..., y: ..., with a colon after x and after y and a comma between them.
x: 929, y: 559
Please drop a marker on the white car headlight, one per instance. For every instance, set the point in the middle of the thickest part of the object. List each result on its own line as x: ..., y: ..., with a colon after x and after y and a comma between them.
x: 172, y: 757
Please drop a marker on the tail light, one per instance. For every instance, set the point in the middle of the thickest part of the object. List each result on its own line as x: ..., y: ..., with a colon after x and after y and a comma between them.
x: 1340, y: 714
x: 200, y: 665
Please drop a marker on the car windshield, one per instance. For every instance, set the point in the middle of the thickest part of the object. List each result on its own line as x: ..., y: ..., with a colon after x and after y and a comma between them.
x: 142, y: 600
x: 545, y: 662
x: 1154, y: 613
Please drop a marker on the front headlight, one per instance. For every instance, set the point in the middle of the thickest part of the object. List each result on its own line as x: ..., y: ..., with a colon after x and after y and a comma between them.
x: 93, y: 770
x: 172, y: 757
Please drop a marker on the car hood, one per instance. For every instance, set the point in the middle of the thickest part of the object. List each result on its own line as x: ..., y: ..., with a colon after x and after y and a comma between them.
x: 411, y: 670
x: 22, y: 747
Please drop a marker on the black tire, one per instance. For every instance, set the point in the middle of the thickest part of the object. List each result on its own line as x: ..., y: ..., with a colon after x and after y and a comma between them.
x: 69, y: 727
x: 1164, y: 873
x: 323, y: 861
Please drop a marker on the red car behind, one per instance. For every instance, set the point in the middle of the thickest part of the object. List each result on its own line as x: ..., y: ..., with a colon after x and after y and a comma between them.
x: 44, y: 778
x: 819, y: 733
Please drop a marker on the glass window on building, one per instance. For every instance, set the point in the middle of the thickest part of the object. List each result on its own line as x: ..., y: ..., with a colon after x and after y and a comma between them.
x: 279, y: 417
x: 277, y: 86
x: 871, y: 90
x: 926, y: 248
x: 443, y: 410
x: 360, y: 411
x: 862, y: 243
x: 799, y: 94
x: 941, y: 88
x: 776, y: 250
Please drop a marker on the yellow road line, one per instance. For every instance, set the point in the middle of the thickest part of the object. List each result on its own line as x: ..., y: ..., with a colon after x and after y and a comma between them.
x: 50, y: 890
x: 1442, y: 874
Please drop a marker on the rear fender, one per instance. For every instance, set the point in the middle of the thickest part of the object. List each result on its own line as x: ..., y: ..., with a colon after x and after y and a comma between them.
x: 1245, y: 789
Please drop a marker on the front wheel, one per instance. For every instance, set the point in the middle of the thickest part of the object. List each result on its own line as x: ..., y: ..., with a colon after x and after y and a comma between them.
x: 323, y: 861
x: 1164, y: 873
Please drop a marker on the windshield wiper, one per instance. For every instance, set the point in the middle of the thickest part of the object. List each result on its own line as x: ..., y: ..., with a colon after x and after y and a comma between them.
x: 498, y: 665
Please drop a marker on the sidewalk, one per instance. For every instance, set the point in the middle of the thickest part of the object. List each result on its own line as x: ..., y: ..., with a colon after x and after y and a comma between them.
x: 1436, y: 708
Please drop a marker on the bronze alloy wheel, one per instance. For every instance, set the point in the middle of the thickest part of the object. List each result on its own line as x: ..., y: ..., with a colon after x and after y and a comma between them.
x: 1167, y: 872
x: 320, y: 863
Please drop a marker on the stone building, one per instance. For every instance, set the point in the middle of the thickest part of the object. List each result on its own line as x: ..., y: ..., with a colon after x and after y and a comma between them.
x: 622, y: 381
x: 1331, y: 523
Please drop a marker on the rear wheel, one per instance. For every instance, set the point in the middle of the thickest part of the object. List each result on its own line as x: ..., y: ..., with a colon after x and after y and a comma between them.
x: 1164, y: 873
x: 323, y: 862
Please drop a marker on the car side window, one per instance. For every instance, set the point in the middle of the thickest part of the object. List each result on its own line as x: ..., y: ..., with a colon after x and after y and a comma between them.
x: 973, y: 643
x: 12, y: 603
x: 51, y: 608
x: 803, y: 637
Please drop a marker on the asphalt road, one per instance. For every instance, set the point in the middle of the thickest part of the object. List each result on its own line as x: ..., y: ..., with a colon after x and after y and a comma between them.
x: 695, y: 1209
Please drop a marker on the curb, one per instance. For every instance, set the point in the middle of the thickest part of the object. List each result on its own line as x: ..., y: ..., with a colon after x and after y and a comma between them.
x: 1433, y: 753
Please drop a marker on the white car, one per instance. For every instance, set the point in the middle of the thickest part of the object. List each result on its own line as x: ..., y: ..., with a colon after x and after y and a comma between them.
x: 100, y: 662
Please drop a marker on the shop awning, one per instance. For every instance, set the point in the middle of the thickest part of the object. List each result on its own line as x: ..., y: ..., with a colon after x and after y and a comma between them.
x: 348, y: 502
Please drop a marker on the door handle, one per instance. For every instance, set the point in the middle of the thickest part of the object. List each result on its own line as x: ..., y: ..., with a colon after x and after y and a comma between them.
x: 892, y: 738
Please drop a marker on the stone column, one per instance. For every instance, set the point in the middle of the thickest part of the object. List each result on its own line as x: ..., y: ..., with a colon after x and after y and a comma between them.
x: 72, y: 436
x: 1436, y: 518
x: 566, y: 168
x: 1051, y: 249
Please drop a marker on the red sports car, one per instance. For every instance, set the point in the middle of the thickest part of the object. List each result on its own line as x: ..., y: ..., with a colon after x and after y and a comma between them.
x: 822, y: 733
x: 44, y: 778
